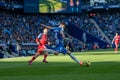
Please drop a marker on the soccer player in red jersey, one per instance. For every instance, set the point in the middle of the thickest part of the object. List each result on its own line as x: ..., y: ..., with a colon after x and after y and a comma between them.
x: 116, y: 40
x: 41, y: 41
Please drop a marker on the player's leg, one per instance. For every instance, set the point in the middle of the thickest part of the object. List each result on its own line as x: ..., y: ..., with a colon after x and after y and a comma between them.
x: 33, y: 58
x: 61, y: 49
x: 51, y: 51
x: 47, y: 51
x: 116, y: 47
x: 39, y: 51
x: 73, y: 57
x: 45, y: 56
x: 86, y: 64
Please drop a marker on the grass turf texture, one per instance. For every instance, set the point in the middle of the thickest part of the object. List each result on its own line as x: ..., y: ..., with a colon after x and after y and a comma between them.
x: 105, y: 66
x: 50, y: 6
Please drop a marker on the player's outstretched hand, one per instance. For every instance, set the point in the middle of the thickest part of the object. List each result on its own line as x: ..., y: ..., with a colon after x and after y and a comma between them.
x: 48, y: 27
x: 42, y: 25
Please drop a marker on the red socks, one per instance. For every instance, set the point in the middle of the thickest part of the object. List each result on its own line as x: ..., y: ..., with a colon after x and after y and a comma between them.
x: 33, y: 58
x: 45, y: 56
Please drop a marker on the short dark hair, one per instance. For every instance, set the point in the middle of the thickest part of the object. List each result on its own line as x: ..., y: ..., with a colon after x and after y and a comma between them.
x: 63, y: 23
x: 45, y: 28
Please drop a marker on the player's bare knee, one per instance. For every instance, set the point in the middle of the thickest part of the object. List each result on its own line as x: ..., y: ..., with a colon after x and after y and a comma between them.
x: 56, y: 53
x: 68, y: 52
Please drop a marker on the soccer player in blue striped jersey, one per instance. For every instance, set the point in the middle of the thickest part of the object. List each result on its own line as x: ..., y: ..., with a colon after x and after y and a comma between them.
x: 59, y: 46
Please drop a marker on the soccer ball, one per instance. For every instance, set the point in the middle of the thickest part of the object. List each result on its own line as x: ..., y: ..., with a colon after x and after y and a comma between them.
x: 87, y: 63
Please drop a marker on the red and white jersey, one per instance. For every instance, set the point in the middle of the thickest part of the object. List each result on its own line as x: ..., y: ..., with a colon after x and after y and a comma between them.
x: 42, y: 39
x: 117, y: 39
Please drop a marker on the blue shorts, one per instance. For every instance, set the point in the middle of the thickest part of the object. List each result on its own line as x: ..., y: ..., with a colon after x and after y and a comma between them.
x: 59, y: 48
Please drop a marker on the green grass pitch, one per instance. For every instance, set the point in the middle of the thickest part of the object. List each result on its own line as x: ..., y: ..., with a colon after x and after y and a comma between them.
x: 105, y: 66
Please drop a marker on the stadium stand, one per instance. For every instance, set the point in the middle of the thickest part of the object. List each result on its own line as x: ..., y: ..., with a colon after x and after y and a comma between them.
x: 109, y: 23
x: 27, y: 26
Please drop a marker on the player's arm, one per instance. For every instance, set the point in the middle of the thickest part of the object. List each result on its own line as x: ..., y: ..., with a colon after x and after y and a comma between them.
x: 113, y: 40
x: 37, y: 41
x: 48, y: 43
x: 38, y: 37
x: 62, y: 33
x: 49, y: 27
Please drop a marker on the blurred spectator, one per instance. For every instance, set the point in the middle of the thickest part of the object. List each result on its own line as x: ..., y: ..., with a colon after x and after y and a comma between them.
x: 109, y: 23
x: 27, y: 27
